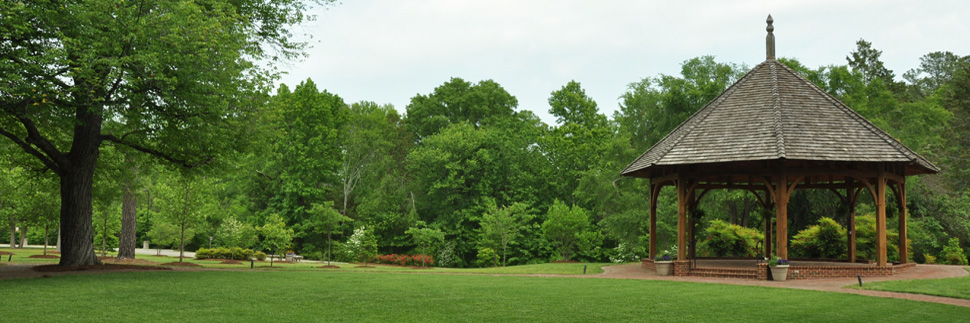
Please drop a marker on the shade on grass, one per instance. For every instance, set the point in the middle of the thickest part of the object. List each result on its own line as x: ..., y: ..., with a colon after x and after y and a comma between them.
x: 957, y: 287
x: 354, y: 297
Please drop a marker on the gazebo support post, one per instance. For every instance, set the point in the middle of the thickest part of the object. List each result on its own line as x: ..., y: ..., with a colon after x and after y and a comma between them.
x: 903, y: 248
x: 654, y: 196
x: 767, y: 235
x: 881, y: 218
x: 681, y: 219
x: 851, y: 197
x: 781, y: 216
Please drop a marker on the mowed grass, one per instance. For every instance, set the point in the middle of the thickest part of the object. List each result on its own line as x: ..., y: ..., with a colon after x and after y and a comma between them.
x: 22, y: 256
x: 223, y: 296
x: 957, y: 287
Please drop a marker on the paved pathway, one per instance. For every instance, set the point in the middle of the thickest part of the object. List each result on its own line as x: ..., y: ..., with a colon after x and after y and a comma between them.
x: 635, y: 271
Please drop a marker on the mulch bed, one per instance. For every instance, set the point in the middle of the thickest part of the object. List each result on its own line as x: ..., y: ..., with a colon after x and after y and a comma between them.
x: 45, y: 256
x: 282, y: 262
x: 329, y: 267
x: 231, y: 262
x: 4, y: 253
x: 365, y: 266
x: 106, y: 267
x: 129, y: 261
x: 182, y: 264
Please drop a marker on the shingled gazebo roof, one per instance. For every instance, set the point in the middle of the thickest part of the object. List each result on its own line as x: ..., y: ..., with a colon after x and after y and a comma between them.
x: 773, y: 113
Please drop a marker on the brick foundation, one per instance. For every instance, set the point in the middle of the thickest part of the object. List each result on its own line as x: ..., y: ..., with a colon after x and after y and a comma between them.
x: 648, y: 264
x: 681, y: 267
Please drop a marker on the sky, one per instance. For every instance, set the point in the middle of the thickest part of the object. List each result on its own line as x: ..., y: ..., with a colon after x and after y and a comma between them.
x: 388, y: 51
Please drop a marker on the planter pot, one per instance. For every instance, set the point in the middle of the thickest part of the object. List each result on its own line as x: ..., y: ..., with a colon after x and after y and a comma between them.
x: 779, y: 272
x: 664, y: 268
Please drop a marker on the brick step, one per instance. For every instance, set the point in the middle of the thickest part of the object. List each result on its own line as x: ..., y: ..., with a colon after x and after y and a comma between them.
x: 724, y: 272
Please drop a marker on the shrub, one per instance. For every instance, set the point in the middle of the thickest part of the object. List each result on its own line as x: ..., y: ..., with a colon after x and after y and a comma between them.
x: 823, y: 240
x: 487, y: 257
x: 235, y: 253
x: 953, y: 254
x: 404, y: 260
x: 866, y: 239
x: 929, y: 259
x: 730, y: 240
x: 259, y: 255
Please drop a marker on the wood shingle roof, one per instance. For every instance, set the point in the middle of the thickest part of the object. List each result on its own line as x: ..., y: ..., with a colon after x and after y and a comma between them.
x: 773, y: 113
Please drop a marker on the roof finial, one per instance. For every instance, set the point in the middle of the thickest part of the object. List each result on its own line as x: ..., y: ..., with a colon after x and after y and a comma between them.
x: 770, y: 39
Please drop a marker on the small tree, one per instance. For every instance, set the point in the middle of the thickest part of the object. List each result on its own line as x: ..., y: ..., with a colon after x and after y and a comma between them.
x: 233, y: 233
x: 426, y: 239
x: 953, y: 254
x: 276, y: 236
x: 568, y: 229
x: 362, y: 245
x: 164, y: 234
x: 500, y: 226
x: 487, y: 257
x: 325, y: 219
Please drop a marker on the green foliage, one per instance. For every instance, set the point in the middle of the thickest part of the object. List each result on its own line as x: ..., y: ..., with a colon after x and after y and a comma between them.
x: 866, y: 239
x: 952, y: 253
x: 276, y: 236
x: 865, y: 60
x: 569, y: 230
x: 487, y: 258
x: 362, y: 245
x: 501, y: 226
x: 729, y: 240
x: 165, y: 234
x: 458, y: 101
x: 234, y: 253
x: 825, y: 240
x: 426, y: 239
x: 233, y: 233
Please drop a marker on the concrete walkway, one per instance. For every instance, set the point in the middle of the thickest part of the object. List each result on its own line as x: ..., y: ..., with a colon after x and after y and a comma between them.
x: 635, y: 271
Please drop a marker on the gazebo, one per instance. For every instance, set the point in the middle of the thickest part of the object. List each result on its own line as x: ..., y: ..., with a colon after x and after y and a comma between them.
x: 770, y: 133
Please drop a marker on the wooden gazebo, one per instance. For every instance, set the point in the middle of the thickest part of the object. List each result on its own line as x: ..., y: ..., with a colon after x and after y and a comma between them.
x: 770, y: 133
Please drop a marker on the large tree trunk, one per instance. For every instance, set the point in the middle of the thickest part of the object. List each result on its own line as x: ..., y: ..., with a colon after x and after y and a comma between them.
x: 129, y: 225
x: 23, y: 236
x: 76, y: 229
x: 58, y: 241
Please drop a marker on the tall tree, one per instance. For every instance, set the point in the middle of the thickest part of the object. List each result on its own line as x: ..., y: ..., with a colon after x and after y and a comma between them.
x: 865, y: 60
x: 935, y: 70
x: 653, y: 107
x: 568, y: 229
x: 184, y: 201
x: 179, y: 71
x: 308, y: 152
x: 458, y: 101
x: 956, y: 99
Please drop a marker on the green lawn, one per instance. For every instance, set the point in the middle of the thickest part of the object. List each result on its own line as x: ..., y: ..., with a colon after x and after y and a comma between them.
x: 957, y: 287
x: 387, y: 297
x: 22, y: 256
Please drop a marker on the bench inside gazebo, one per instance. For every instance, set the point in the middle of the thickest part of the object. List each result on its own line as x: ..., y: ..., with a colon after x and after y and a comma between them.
x: 770, y: 133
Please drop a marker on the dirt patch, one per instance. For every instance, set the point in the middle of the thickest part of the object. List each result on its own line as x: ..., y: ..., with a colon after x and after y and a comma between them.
x: 45, y: 256
x: 231, y: 262
x: 106, y: 267
x: 54, y: 252
x: 330, y: 267
x: 566, y: 262
x: 4, y: 253
x: 182, y: 264
x: 362, y: 266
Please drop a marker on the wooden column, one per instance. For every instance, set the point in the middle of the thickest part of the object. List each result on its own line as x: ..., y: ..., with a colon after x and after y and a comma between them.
x: 881, y: 218
x: 903, y: 248
x: 767, y: 235
x: 681, y: 219
x: 654, y: 195
x: 851, y: 198
x: 852, y: 255
x: 781, y: 215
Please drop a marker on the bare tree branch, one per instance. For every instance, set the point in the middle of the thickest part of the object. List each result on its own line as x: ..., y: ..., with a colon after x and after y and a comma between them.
x: 156, y: 153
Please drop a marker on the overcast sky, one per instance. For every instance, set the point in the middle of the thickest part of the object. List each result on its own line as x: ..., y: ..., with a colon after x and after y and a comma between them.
x: 389, y: 51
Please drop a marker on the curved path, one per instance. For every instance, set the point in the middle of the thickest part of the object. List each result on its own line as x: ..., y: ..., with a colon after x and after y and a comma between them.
x: 635, y: 271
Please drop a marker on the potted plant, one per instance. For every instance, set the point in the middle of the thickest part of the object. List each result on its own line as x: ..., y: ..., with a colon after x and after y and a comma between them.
x: 779, y: 268
x: 663, y: 263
